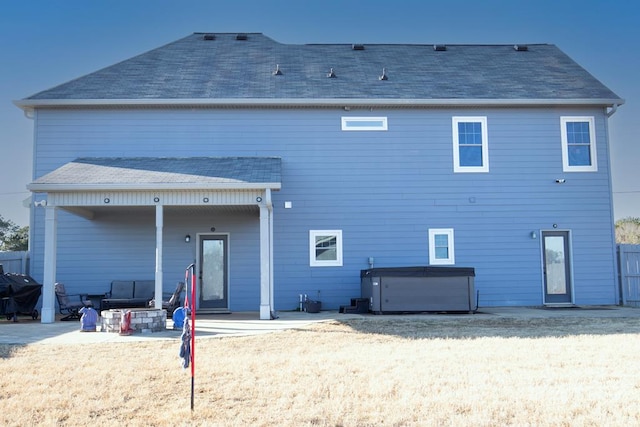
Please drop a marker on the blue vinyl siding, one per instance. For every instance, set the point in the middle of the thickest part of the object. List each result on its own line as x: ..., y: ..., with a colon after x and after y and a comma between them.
x: 384, y: 190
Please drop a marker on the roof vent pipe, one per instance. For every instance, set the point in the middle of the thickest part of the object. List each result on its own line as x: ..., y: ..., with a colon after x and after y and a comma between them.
x: 384, y: 75
x: 331, y: 74
x: 277, y: 71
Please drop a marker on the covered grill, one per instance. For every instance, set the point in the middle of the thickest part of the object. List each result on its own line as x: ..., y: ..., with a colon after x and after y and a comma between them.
x: 19, y: 294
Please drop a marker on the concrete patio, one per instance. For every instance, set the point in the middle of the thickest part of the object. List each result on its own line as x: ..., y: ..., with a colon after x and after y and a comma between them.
x: 28, y: 331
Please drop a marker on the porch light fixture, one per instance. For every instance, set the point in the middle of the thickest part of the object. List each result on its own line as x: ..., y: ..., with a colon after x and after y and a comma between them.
x: 187, y: 238
x: 534, y: 235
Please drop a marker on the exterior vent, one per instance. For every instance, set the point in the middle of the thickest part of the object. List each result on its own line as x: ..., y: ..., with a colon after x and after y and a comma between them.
x: 357, y: 47
x: 209, y: 37
x: 521, y: 47
x: 241, y: 36
x: 439, y: 47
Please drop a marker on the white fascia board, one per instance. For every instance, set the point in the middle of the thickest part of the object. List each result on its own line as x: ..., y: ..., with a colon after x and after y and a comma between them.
x: 29, y: 104
x: 45, y: 188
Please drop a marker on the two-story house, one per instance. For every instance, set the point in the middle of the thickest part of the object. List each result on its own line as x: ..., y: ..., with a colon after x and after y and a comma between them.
x: 283, y: 170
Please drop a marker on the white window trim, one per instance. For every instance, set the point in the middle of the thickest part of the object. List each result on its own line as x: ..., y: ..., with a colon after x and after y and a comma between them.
x: 565, y: 144
x: 346, y: 120
x: 456, y: 148
x: 432, y: 247
x: 313, y: 262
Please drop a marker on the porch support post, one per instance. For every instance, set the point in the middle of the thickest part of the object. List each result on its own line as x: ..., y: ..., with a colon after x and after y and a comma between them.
x: 48, y: 314
x: 265, y: 260
x: 159, y: 243
x: 271, y: 290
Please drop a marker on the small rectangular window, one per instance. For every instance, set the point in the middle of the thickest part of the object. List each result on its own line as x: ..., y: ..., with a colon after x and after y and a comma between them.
x: 364, y: 123
x: 441, y: 248
x: 470, y: 144
x: 325, y: 248
x: 578, y: 144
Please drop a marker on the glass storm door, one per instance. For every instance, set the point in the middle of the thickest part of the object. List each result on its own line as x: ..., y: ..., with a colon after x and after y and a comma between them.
x: 213, y: 272
x: 557, y: 267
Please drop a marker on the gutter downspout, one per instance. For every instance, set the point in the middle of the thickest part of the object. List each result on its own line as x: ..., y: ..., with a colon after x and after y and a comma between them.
x: 617, y: 290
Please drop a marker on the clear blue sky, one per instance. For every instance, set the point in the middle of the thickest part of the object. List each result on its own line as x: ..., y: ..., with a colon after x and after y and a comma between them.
x: 44, y: 43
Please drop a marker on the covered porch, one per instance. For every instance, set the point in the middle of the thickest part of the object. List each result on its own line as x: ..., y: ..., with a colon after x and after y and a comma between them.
x: 88, y: 187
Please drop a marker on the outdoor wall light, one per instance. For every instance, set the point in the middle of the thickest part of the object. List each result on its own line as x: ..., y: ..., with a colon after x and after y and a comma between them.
x: 534, y: 235
x: 187, y: 238
x: 560, y: 181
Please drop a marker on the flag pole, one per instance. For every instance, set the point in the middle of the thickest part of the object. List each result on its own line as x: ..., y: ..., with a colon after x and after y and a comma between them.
x: 192, y: 270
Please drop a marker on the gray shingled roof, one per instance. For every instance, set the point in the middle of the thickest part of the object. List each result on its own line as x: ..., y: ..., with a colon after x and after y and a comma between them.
x: 226, y: 68
x: 204, y: 172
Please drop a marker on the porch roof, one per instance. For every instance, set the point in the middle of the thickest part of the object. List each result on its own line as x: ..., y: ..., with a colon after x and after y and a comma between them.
x: 161, y: 173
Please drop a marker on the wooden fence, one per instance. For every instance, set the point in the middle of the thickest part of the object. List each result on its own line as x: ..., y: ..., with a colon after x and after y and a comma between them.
x: 629, y: 274
x: 15, y: 262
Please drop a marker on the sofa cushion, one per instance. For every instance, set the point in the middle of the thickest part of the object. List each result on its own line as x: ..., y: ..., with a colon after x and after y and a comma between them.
x: 121, y: 289
x: 144, y: 289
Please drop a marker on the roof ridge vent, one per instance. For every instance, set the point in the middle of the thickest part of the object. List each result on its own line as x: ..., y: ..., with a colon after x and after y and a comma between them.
x: 521, y: 47
x: 440, y: 47
x: 242, y: 36
x: 357, y: 46
x: 209, y: 37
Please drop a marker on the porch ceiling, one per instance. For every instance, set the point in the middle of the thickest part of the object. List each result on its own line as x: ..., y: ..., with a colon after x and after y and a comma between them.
x: 98, y: 211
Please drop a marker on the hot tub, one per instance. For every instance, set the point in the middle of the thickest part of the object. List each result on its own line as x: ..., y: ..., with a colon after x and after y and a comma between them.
x: 419, y: 289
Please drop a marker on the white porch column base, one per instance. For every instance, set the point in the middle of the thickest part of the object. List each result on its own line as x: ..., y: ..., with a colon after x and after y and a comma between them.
x: 265, y: 312
x: 48, y: 315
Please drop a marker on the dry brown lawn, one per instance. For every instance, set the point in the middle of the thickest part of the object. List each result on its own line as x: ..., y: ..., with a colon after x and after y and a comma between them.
x: 375, y: 371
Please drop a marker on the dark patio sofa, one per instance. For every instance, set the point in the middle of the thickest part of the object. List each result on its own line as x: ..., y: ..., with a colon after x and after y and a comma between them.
x: 128, y: 294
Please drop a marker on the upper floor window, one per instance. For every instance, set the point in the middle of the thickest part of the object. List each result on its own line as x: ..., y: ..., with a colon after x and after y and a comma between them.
x: 470, y: 144
x: 325, y: 248
x: 578, y: 144
x: 364, y: 123
x: 441, y: 246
